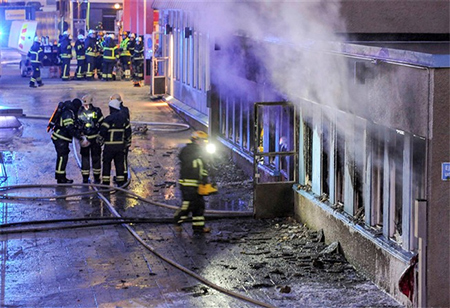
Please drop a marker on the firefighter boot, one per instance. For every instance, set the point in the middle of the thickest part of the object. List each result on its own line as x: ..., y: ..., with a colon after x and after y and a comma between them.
x: 202, y: 230
x: 85, y: 179
x: 32, y: 85
x: 64, y: 181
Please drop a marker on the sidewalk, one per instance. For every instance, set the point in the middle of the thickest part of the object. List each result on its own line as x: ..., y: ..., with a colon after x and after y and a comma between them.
x: 277, y: 262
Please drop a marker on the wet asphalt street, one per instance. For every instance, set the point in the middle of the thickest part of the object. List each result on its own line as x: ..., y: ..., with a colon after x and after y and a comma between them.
x: 275, y: 263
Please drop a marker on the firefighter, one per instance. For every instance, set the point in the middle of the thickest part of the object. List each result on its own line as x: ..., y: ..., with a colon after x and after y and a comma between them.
x: 36, y: 55
x: 90, y: 49
x: 100, y: 42
x: 138, y: 62
x: 81, y: 57
x: 110, y: 56
x: 63, y: 132
x: 115, y: 133
x: 89, y: 120
x: 126, y: 111
x: 131, y: 45
x: 193, y: 172
x: 65, y: 54
x: 125, y: 55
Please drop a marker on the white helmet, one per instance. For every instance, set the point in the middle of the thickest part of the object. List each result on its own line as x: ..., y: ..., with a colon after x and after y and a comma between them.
x: 86, y: 99
x: 37, y: 39
x: 112, y: 36
x: 114, y: 104
x: 116, y: 96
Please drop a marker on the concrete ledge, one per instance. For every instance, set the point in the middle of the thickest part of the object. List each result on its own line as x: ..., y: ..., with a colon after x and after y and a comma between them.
x: 8, y: 111
x: 195, y: 118
x: 379, y: 260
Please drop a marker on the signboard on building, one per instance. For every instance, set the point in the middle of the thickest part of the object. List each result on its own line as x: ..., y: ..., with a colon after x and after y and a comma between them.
x: 15, y: 15
x: 445, y: 171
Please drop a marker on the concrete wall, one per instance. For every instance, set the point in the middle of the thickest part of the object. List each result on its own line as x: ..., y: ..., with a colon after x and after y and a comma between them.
x: 399, y: 16
x: 438, y: 239
x: 379, y: 263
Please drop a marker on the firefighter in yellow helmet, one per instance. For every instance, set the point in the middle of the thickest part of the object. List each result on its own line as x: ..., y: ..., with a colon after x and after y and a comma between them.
x: 193, y: 173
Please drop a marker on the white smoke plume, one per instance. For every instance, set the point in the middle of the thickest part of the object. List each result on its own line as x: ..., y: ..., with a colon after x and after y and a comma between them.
x: 299, y: 31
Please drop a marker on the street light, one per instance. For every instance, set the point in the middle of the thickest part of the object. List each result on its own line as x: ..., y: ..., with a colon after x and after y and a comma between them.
x: 117, y: 6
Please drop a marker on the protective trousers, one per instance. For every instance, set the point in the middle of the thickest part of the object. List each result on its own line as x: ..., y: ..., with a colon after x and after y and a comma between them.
x: 107, y: 70
x: 90, y: 67
x: 62, y: 156
x: 192, y: 202
x: 65, y: 74
x: 98, y: 66
x: 81, y: 68
x: 138, y: 70
x: 116, y: 153
x: 36, y: 77
x: 126, y: 61
x: 92, y: 152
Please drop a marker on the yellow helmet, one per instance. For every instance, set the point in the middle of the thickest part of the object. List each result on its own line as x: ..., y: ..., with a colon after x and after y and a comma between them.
x: 199, y: 135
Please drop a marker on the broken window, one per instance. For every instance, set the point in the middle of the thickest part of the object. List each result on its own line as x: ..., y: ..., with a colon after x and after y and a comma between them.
x: 307, y: 148
x: 326, y: 143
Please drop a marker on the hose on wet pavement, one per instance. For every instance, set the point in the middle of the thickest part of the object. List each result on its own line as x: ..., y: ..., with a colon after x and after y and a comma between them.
x: 100, y: 189
x: 151, y: 126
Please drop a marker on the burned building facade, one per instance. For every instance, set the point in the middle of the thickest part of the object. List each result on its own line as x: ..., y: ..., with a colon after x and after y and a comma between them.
x: 347, y: 122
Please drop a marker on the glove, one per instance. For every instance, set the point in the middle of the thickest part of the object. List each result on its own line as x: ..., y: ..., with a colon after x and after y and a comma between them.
x: 100, y: 140
x: 84, y: 143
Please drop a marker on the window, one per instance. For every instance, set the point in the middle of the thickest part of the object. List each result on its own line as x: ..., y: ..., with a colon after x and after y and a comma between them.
x: 373, y: 173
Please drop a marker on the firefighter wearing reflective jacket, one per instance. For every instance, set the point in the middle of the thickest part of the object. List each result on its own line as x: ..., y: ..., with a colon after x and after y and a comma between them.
x: 110, y: 56
x: 193, y: 172
x: 125, y: 55
x: 81, y: 57
x: 89, y: 120
x: 138, y: 62
x: 65, y: 54
x: 125, y: 110
x: 63, y: 132
x: 115, y: 133
x: 90, y: 49
x: 36, y: 55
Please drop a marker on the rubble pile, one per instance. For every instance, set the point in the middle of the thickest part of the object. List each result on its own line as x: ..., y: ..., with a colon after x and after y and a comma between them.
x: 280, y: 252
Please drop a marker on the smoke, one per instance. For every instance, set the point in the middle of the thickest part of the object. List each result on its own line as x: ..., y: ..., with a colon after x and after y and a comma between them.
x: 293, y: 61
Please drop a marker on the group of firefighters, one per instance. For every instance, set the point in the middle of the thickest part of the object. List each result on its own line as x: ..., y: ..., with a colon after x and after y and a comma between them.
x: 102, y: 139
x: 106, y: 139
x: 97, y: 56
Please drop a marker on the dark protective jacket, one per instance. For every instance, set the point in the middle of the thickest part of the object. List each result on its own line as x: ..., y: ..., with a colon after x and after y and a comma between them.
x: 126, y: 111
x: 65, y: 48
x: 193, y: 170
x: 36, y: 53
x: 131, y: 45
x: 116, y: 129
x: 65, y: 127
x: 90, y: 46
x: 79, y: 50
x: 89, y: 121
x: 100, y: 42
x: 110, y: 51
x: 138, y: 52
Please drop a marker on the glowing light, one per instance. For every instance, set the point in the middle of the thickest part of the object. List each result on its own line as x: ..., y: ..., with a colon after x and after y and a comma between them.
x: 211, y: 148
x: 117, y: 6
